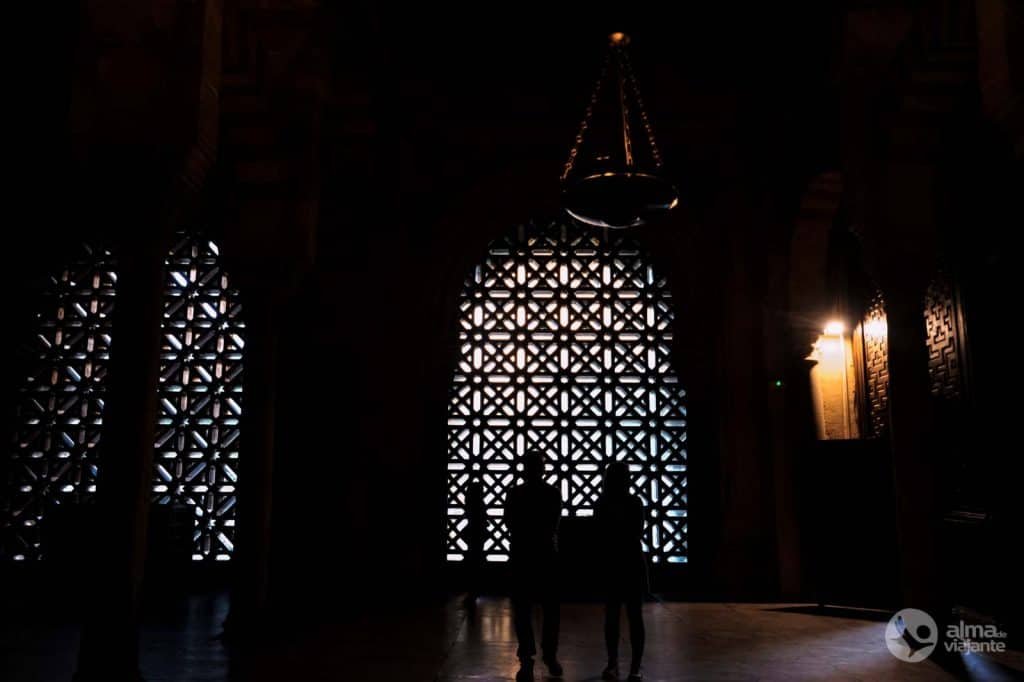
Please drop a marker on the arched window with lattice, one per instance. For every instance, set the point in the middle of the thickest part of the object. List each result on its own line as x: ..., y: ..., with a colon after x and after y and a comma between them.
x: 59, y: 420
x: 565, y: 338
x: 54, y: 457
x: 197, y: 433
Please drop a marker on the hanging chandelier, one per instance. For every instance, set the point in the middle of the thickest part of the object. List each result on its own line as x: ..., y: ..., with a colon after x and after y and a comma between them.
x: 613, y: 175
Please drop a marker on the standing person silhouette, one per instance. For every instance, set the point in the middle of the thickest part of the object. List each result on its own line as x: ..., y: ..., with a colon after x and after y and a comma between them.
x: 620, y: 520
x: 532, y: 512
x: 476, y: 517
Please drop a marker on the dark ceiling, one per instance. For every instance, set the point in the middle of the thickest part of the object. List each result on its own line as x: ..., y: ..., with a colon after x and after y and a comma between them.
x: 463, y: 91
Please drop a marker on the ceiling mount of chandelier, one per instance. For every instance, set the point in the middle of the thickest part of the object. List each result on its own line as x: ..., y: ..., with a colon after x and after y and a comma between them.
x: 613, y: 177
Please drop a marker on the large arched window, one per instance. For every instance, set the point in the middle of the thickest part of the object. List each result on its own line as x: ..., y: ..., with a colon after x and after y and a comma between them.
x: 55, y: 453
x: 565, y: 339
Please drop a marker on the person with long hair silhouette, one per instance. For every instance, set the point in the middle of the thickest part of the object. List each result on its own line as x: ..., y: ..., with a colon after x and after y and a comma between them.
x: 620, y: 519
x: 532, y: 512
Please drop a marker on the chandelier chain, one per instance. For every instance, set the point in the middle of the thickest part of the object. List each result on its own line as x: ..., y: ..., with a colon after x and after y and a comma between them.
x: 630, y: 78
x: 585, y: 123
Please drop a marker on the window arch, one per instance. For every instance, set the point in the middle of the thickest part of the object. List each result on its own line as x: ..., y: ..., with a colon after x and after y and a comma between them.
x: 565, y: 338
x: 55, y: 455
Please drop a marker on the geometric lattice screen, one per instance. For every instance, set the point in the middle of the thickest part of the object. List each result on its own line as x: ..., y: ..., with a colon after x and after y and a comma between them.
x: 944, y: 336
x: 56, y: 447
x: 565, y: 338
x: 60, y: 405
x: 197, y: 432
x: 875, y: 354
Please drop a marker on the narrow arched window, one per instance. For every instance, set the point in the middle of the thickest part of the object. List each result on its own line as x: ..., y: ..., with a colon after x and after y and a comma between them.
x: 59, y: 417
x: 197, y: 433
x: 54, y: 457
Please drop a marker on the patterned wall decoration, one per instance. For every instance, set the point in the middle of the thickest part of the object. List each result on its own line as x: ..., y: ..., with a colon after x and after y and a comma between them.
x: 197, y: 433
x: 60, y: 407
x: 565, y: 341
x: 876, y: 365
x: 60, y: 414
x: 943, y: 327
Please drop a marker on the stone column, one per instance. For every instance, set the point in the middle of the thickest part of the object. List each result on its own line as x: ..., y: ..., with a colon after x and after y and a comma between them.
x: 901, y: 246
x: 256, y: 464
x: 109, y: 646
x: 143, y: 107
x: 795, y: 416
x: 809, y: 306
x: 915, y: 465
x: 271, y: 204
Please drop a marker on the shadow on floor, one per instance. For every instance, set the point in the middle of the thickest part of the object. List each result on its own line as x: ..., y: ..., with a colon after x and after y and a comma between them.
x: 852, y: 613
x: 463, y: 642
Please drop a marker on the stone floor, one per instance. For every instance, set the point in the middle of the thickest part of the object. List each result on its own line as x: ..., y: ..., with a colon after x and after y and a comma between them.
x: 685, y: 641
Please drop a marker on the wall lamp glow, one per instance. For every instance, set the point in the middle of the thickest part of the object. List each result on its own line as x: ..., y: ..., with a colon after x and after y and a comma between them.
x: 834, y: 328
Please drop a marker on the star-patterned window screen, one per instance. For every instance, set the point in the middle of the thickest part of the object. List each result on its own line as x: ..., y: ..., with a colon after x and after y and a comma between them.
x: 565, y: 338
x: 55, y: 454
x: 200, y: 409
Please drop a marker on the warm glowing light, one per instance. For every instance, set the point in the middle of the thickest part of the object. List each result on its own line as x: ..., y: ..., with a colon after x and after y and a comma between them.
x: 834, y: 328
x: 876, y: 328
x: 619, y: 39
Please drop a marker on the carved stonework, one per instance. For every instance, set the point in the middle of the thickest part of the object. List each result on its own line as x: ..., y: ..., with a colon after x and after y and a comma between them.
x: 876, y: 365
x: 945, y: 347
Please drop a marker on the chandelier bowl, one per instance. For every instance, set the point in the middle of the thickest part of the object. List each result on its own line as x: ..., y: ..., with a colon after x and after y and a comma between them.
x: 619, y: 199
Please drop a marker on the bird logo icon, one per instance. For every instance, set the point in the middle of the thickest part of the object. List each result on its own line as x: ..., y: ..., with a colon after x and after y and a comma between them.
x: 911, y: 635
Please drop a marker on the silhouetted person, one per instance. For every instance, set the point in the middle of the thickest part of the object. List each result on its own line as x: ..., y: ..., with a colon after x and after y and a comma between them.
x: 475, y: 519
x: 532, y: 512
x: 620, y: 519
